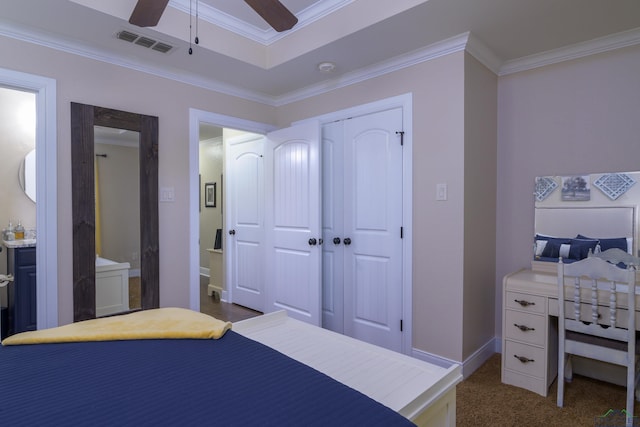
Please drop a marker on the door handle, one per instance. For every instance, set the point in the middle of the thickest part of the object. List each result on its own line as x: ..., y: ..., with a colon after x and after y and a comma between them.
x: 312, y: 241
x: 232, y: 232
x: 347, y: 241
x: 336, y: 240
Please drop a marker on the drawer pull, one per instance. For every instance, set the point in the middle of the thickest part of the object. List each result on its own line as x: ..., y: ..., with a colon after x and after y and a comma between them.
x: 523, y: 359
x: 524, y: 303
x: 524, y: 328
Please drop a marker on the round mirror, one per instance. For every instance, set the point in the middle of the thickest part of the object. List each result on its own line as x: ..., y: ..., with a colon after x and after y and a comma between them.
x: 27, y: 175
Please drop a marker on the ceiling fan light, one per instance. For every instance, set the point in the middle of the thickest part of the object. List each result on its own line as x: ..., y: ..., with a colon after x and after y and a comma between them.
x: 326, y: 67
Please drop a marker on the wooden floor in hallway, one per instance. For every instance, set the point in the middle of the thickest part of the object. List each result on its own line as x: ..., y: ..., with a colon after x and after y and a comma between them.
x: 212, y: 306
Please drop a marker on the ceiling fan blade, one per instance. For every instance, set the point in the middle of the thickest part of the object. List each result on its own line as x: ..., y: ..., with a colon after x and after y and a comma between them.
x: 275, y: 13
x: 147, y: 13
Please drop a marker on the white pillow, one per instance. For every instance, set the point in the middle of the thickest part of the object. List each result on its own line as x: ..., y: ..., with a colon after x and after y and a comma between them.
x: 540, y: 245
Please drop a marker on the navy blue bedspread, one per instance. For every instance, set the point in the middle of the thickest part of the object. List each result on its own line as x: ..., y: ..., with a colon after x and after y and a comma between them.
x: 233, y: 381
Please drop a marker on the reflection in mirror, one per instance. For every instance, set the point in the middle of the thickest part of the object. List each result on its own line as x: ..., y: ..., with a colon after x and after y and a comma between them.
x: 603, y: 207
x: 117, y: 197
x: 83, y: 156
x: 27, y: 175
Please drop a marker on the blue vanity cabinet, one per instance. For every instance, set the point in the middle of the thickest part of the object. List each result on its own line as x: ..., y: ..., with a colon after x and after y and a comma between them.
x: 21, y: 262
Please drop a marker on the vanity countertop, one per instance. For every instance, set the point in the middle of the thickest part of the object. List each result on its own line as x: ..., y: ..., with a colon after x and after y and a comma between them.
x: 22, y: 243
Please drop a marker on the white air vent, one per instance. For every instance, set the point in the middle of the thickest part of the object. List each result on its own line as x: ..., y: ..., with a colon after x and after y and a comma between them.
x: 143, y: 41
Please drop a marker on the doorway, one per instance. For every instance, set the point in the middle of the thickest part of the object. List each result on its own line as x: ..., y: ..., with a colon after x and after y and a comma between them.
x: 405, y: 103
x: 46, y: 190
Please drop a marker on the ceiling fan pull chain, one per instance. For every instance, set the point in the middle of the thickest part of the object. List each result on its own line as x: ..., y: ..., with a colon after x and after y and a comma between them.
x: 197, y: 15
x: 190, y: 49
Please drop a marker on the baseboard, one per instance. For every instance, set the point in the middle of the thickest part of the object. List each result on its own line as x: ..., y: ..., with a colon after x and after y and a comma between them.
x: 478, y: 358
x: 432, y: 358
x: 469, y: 366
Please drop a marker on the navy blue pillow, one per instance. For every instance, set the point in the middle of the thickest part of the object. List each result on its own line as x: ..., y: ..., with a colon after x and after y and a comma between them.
x: 580, y: 248
x: 552, y: 249
x: 617, y: 242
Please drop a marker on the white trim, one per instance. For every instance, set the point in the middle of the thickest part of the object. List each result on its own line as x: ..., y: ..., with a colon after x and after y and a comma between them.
x: 74, y: 47
x: 405, y: 102
x: 46, y: 191
x: 436, y: 50
x: 195, y: 118
x: 465, y: 41
x: 266, y: 37
x: 469, y: 366
x: 575, y: 51
x: 432, y: 358
x: 478, y: 358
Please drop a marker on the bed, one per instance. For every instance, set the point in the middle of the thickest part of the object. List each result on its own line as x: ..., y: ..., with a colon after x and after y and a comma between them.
x: 234, y: 380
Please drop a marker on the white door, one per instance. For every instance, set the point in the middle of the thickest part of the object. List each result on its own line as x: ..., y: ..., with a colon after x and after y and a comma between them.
x: 371, y: 239
x: 332, y: 227
x: 244, y: 164
x: 292, y: 222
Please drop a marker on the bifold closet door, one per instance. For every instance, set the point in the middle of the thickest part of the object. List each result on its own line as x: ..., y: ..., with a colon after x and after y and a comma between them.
x: 292, y: 222
x: 367, y: 206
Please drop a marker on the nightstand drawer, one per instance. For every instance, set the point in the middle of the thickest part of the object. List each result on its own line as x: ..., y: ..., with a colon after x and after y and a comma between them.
x: 531, y: 303
x: 525, y: 327
x: 525, y: 358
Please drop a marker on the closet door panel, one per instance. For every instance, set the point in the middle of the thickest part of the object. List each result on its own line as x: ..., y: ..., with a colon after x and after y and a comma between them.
x: 292, y: 222
x: 332, y: 227
x: 373, y: 221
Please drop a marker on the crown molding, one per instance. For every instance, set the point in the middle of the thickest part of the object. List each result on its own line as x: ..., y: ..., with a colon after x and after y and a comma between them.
x: 575, y: 51
x: 73, y: 47
x: 436, y: 50
x: 217, y: 17
x: 463, y: 42
x: 484, y: 54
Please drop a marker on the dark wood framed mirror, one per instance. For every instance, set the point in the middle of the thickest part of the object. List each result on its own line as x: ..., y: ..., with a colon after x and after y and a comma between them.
x: 83, y: 119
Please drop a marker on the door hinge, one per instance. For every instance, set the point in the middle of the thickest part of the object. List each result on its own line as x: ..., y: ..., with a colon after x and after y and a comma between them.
x: 401, y: 325
x: 401, y: 133
x: 402, y: 232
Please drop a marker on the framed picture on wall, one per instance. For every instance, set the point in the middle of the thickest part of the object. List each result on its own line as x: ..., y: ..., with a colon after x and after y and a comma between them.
x: 576, y: 188
x: 210, y: 194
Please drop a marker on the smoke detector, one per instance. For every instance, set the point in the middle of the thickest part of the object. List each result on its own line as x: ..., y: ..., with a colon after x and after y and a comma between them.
x: 326, y: 67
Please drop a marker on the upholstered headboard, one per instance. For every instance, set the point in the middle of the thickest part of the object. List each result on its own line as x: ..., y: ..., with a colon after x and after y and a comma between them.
x: 617, y: 221
x: 593, y: 222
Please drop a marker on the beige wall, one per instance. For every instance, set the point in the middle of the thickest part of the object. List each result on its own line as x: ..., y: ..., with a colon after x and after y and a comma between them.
x: 92, y: 82
x: 17, y: 138
x: 438, y: 152
x: 575, y: 117
x: 480, y: 169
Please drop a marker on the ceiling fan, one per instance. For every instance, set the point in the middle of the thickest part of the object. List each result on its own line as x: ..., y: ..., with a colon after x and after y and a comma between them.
x: 147, y: 13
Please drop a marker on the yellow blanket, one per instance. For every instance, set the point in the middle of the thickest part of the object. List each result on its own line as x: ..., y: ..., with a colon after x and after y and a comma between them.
x: 148, y: 324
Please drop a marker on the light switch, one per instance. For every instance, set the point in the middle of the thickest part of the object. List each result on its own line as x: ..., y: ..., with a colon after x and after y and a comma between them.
x: 167, y: 194
x: 441, y: 192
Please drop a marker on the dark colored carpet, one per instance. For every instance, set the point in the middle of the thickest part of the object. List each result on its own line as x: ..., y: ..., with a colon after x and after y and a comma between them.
x: 482, y: 400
